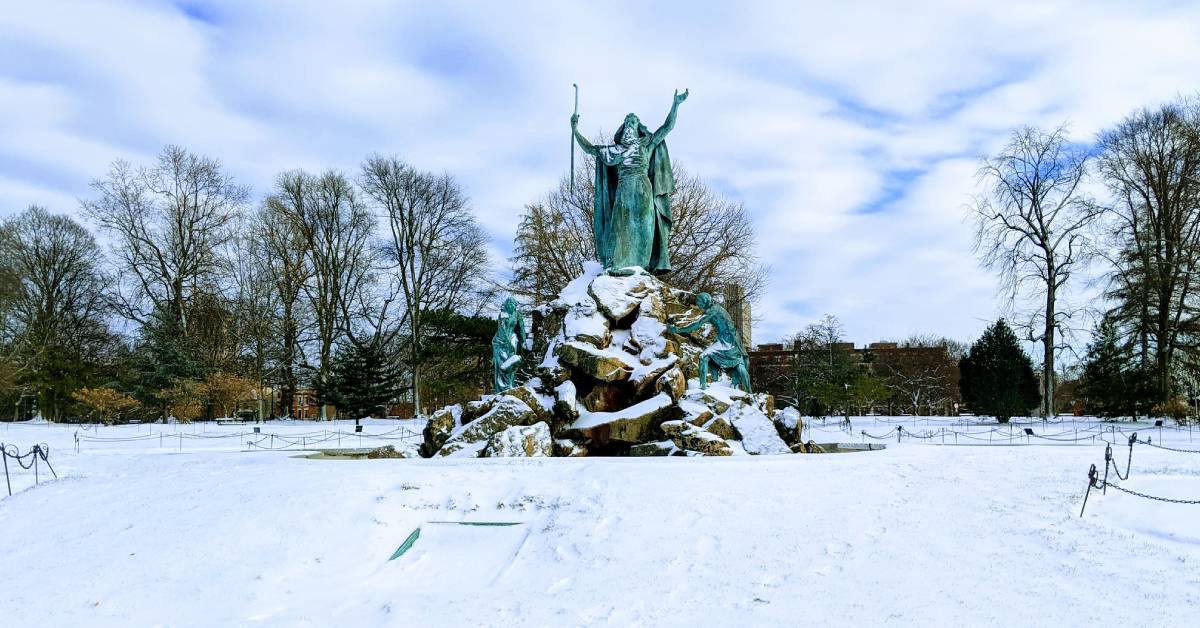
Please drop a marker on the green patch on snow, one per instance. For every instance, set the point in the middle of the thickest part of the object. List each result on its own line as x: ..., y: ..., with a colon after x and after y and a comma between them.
x: 407, y: 544
x: 416, y: 534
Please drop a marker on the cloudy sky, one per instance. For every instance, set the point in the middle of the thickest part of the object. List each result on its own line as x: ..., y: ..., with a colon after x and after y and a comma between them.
x: 851, y: 131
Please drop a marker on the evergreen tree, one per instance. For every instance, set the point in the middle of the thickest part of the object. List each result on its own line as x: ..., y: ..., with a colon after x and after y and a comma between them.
x: 997, y: 377
x: 1113, y: 383
x: 362, y: 379
x: 162, y: 357
x: 458, y: 355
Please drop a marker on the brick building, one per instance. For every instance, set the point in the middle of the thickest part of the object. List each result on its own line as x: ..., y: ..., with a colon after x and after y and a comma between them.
x: 921, y: 380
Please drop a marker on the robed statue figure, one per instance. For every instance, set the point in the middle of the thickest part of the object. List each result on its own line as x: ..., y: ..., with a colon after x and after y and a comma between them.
x: 506, y: 346
x: 632, y: 212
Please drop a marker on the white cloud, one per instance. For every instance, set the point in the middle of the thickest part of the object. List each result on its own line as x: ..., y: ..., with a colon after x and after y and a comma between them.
x: 850, y: 130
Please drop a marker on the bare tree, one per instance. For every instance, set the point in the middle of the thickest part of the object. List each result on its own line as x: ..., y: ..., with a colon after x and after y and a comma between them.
x: 921, y: 373
x: 282, y: 252
x: 57, y: 304
x: 712, y: 239
x: 170, y: 222
x: 1032, y: 228
x: 1151, y: 164
x: 436, y: 248
x: 335, y: 228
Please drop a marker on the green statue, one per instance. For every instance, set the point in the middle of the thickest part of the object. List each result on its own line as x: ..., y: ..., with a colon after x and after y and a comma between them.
x: 727, y: 352
x: 632, y: 218
x: 506, y: 344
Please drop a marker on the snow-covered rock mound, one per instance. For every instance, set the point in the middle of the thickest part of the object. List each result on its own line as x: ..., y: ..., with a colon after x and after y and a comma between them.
x: 614, y: 381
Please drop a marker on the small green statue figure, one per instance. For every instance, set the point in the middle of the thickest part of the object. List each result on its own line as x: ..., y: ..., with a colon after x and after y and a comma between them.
x: 506, y: 344
x: 632, y: 212
x: 727, y: 352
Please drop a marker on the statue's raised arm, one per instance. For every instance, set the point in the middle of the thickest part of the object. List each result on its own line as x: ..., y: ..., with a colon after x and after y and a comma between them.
x: 669, y: 124
x: 587, y: 146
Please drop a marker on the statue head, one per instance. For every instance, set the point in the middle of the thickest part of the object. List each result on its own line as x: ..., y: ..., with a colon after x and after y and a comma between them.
x: 510, y: 306
x: 704, y: 301
x: 630, y: 130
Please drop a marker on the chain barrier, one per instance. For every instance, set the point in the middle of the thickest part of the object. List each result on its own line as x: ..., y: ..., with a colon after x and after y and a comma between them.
x: 1168, y: 500
x: 1094, y: 480
x: 38, y: 452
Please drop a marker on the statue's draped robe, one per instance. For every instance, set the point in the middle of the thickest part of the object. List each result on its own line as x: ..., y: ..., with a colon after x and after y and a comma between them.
x: 727, y: 351
x: 510, y: 335
x: 632, y: 217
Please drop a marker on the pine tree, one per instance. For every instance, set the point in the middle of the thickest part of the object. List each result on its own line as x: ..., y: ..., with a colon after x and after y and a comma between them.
x: 1113, y: 384
x: 362, y: 379
x: 997, y: 377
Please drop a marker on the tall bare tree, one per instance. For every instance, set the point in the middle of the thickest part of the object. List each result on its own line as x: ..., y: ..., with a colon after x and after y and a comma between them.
x: 1151, y: 164
x: 336, y: 229
x: 283, y: 252
x: 1032, y: 228
x: 57, y: 307
x: 437, y: 249
x: 170, y: 222
x: 712, y: 239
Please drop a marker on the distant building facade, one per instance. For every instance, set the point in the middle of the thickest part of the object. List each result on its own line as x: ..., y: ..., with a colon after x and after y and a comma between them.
x: 920, y: 380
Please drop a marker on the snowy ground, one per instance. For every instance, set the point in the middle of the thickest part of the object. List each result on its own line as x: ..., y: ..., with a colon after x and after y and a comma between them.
x: 192, y: 527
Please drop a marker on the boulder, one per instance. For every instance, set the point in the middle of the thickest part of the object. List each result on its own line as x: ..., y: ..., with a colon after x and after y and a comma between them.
x: 438, y: 428
x: 721, y: 427
x: 567, y: 448
x: 585, y: 322
x: 757, y: 431
x: 672, y: 383
x: 470, y: 439
x: 618, y: 297
x: 634, y: 424
x: 565, y: 402
x: 707, y: 399
x: 387, y: 451
x: 688, y: 437
x: 474, y: 409
x: 645, y: 376
x: 790, y: 425
x: 521, y: 441
x: 606, y: 398
x: 657, y: 448
x: 604, y: 366
x: 541, y: 405
x: 649, y: 332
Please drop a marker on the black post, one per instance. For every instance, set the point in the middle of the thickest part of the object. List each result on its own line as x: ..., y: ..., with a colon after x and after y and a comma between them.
x: 4, y: 455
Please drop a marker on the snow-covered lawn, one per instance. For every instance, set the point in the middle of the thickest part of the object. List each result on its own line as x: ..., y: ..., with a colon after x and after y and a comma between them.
x: 197, y: 531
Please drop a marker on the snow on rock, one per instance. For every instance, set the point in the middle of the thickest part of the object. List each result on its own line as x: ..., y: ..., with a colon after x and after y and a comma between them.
x: 672, y: 382
x: 644, y: 376
x: 507, y: 411
x: 568, y: 448
x: 618, y: 297
x: 439, y: 427
x: 521, y: 441
x: 689, y: 438
x: 648, y: 330
x: 789, y: 424
x: 590, y: 327
x: 604, y: 365
x: 758, y: 432
x: 576, y: 291
x: 656, y: 448
x: 631, y: 425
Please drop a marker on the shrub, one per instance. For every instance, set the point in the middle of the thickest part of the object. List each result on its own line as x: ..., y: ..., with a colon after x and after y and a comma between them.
x: 107, y: 402
x: 1176, y: 408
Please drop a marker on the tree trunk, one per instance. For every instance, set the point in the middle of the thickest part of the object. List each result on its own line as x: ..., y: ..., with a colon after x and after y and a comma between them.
x: 1048, y: 355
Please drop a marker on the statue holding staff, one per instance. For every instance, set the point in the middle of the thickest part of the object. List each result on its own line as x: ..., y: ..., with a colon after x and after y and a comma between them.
x: 632, y: 211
